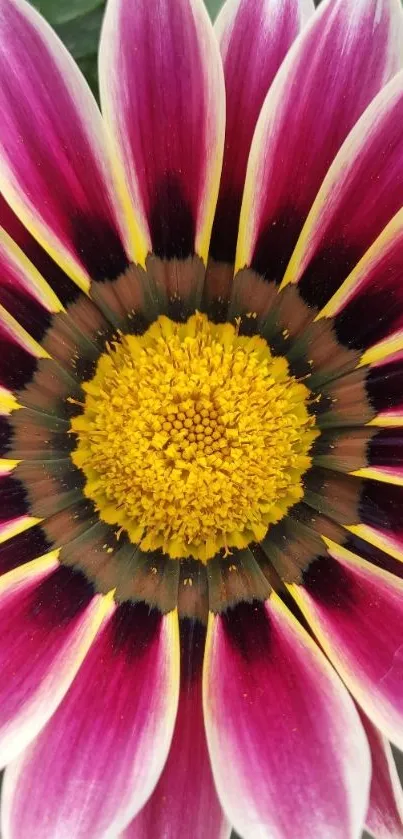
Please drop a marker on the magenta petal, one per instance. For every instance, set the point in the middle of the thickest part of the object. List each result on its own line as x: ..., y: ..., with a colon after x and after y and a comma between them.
x: 289, y: 755
x: 162, y: 92
x: 345, y: 55
x: 360, y: 195
x: 48, y: 618
x: 98, y: 759
x: 385, y: 813
x: 356, y: 612
x: 271, y: 27
x: 184, y: 803
x: 53, y: 168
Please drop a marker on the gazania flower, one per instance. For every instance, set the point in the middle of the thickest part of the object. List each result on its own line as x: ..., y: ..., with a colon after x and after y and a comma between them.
x: 201, y: 612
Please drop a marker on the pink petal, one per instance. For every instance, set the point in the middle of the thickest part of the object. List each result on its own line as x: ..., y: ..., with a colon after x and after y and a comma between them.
x: 97, y: 761
x: 52, y: 158
x: 23, y: 291
x: 48, y: 619
x: 356, y: 613
x: 61, y: 284
x: 362, y: 192
x: 385, y: 814
x: 271, y: 26
x: 346, y: 54
x: 288, y: 752
x: 184, y: 803
x: 162, y: 93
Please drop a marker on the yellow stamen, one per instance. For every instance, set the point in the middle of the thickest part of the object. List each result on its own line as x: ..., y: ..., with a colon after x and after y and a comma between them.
x: 193, y: 438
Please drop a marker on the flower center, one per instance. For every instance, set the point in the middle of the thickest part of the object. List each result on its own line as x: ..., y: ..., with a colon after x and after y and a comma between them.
x: 193, y: 438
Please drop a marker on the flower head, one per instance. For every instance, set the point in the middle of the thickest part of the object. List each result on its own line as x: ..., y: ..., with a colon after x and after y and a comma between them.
x: 201, y: 410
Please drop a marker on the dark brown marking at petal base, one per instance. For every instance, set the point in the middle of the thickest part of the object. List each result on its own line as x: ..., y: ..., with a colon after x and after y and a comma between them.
x: 26, y: 310
x: 133, y: 628
x: 6, y: 436
x: 374, y: 555
x: 326, y: 272
x: 276, y: 243
x: 329, y: 583
x: 224, y: 234
x: 235, y: 579
x: 381, y: 506
x: 193, y: 590
x: 17, y: 366
x: 99, y: 248
x: 61, y: 596
x: 384, y: 385
x: 13, y: 498
x: 171, y: 220
x: 385, y: 447
x: 23, y: 548
x: 247, y: 627
x: 192, y: 642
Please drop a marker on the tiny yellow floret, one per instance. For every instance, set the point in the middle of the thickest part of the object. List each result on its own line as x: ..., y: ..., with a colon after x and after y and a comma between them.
x: 193, y: 438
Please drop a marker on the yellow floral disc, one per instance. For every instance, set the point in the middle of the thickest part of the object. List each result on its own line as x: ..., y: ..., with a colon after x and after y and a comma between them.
x: 193, y: 438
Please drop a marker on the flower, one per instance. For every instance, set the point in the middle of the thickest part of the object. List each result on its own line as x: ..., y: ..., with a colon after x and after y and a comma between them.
x: 201, y: 612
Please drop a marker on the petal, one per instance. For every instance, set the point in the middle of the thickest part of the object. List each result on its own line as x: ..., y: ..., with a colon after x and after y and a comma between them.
x: 48, y: 619
x: 184, y: 803
x: 162, y: 92
x: 367, y: 173
x: 367, y: 307
x: 288, y: 752
x: 61, y: 284
x: 98, y: 759
x: 52, y: 161
x: 364, y: 41
x: 271, y: 26
x: 385, y: 814
x: 348, y: 604
x: 23, y: 291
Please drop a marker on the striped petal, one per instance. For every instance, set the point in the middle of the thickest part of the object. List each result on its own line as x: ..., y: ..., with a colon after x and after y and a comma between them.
x: 385, y: 813
x: 271, y: 26
x: 364, y: 41
x: 52, y: 160
x: 184, y: 803
x: 98, y: 759
x: 367, y: 307
x: 65, y: 289
x: 288, y: 752
x: 48, y: 618
x: 348, y: 604
x: 162, y: 92
x: 367, y: 173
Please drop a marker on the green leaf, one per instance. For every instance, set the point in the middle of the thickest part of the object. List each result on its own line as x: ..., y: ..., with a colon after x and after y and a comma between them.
x: 213, y: 7
x: 81, y: 35
x: 61, y: 11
